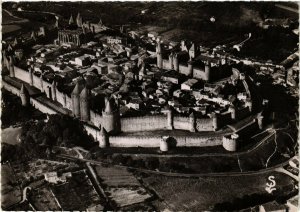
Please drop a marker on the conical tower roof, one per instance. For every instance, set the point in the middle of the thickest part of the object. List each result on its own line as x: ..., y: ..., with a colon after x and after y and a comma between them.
x: 71, y: 20
x: 192, y: 47
x: 84, y: 93
x: 76, y: 89
x: 16, y: 42
x: 108, y: 107
x: 103, y: 132
x: 192, y: 115
x: 9, y: 48
x: 23, y: 89
x: 33, y: 35
x: 57, y: 23
x: 78, y: 16
x: 100, y: 22
x: 79, y: 20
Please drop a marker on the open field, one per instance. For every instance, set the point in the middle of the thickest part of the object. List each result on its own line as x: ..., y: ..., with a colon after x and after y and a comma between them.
x: 182, y: 194
x: 121, y: 186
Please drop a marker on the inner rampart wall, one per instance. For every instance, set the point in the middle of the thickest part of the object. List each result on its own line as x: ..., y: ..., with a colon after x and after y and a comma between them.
x: 183, y: 69
x: 41, y: 107
x: 10, y: 88
x: 181, y: 122
x: 143, y: 123
x: 204, y: 124
x: 22, y: 74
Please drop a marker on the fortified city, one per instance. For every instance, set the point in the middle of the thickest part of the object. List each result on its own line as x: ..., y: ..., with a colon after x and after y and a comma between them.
x: 150, y: 106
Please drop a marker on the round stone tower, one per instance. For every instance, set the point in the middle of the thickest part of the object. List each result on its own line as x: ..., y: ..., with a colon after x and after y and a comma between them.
x: 159, y: 54
x: 249, y: 104
x: 192, y: 121
x: 53, y: 90
x: 170, y: 117
x: 76, y: 101
x: 215, y: 121
x: 232, y: 111
x: 171, y: 61
x: 103, y: 138
x: 207, y: 72
x: 230, y: 143
x: 41, y: 82
x: 260, y: 119
x: 190, y: 68
x: 24, y: 95
x: 84, y: 104
x: 163, y: 144
x: 30, y: 76
x: 11, y: 66
x: 175, y: 62
x: 111, y: 118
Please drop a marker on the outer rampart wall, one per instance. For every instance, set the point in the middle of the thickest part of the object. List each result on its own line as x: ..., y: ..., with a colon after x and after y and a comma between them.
x: 41, y: 107
x: 11, y: 88
x: 154, y: 141
x: 143, y: 123
x: 196, y: 141
x: 94, y: 132
x: 134, y: 141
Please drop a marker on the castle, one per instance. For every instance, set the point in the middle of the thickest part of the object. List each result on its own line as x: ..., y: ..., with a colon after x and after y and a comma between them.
x: 76, y: 32
x: 106, y: 127
x: 203, y: 71
x: 109, y: 128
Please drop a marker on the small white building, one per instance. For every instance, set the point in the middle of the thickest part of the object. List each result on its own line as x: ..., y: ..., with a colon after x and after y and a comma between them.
x: 189, y: 84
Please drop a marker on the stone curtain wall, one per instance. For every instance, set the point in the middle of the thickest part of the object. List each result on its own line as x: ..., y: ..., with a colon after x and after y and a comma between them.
x: 22, y: 74
x: 181, y: 122
x: 143, y: 123
x: 204, y: 125
x: 95, y: 118
x: 10, y: 88
x: 154, y: 141
x: 134, y: 141
x: 41, y: 107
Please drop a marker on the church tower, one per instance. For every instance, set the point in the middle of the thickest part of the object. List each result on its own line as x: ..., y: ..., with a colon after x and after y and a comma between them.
x: 71, y: 20
x: 79, y: 20
x: 76, y: 101
x: 111, y: 117
x: 207, y: 71
x: 159, y: 54
x: 84, y: 104
x: 24, y: 95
